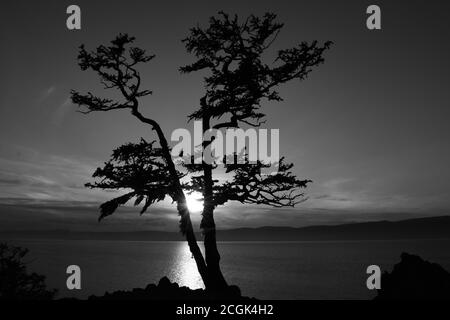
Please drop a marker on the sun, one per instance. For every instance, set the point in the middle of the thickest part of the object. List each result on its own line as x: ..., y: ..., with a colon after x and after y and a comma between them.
x: 194, y: 202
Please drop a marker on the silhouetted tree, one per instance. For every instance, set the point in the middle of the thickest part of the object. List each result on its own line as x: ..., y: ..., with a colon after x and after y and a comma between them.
x: 237, y: 82
x: 15, y: 282
x: 116, y: 66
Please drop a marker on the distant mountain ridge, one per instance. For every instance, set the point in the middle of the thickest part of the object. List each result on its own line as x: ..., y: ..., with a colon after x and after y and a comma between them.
x: 421, y: 228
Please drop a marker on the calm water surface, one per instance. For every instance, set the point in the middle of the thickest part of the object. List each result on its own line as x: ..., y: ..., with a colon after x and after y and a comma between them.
x: 266, y: 270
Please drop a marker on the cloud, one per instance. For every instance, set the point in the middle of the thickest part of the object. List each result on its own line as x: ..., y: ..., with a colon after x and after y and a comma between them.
x: 39, y: 190
x: 44, y: 190
x: 46, y: 93
x: 9, y: 179
x: 330, y: 197
x: 50, y: 90
x: 61, y: 112
x: 27, y: 172
x: 45, y: 214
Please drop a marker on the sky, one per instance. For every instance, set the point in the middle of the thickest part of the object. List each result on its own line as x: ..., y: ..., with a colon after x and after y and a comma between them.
x: 369, y: 127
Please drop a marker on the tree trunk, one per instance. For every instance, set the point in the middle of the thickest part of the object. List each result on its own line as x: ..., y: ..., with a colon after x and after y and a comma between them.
x: 216, y: 280
x: 192, y: 242
x: 185, y: 221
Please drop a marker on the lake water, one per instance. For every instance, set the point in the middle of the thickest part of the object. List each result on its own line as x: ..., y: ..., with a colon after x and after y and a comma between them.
x: 265, y: 270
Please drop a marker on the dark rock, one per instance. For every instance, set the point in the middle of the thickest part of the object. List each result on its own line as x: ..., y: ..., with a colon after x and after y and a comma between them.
x: 415, y: 278
x: 166, y: 290
x: 234, y: 291
x: 150, y: 287
x: 164, y: 282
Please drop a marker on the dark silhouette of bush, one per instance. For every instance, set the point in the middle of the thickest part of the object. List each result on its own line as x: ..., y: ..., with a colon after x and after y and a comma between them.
x: 415, y: 279
x: 15, y: 282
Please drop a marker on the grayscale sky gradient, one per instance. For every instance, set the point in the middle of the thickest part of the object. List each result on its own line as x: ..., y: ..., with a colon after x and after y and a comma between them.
x: 369, y: 127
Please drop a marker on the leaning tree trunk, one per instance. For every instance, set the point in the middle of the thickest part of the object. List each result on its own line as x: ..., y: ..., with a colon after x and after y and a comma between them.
x: 209, y: 268
x: 191, y: 239
x: 185, y: 220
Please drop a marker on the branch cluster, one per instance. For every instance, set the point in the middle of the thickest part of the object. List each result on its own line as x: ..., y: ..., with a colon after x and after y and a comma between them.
x: 116, y: 67
x: 250, y: 184
x: 238, y: 78
x: 140, y: 168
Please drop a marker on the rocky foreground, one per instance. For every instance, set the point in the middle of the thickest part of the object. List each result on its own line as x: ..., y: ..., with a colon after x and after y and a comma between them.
x: 415, y: 279
x: 166, y: 290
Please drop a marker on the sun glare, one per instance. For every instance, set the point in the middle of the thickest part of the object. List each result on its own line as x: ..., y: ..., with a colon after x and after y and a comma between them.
x: 194, y: 202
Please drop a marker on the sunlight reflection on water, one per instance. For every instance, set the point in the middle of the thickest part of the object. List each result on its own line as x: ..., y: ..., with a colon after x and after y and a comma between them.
x: 183, y: 269
x: 266, y: 270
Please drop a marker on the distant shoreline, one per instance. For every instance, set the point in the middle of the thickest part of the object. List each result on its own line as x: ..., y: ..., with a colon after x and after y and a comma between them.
x: 422, y: 228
